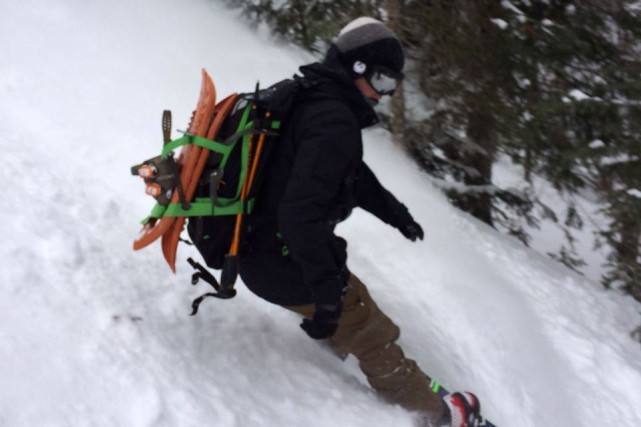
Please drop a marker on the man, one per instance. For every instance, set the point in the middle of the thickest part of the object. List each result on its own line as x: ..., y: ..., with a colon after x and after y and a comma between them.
x: 316, y: 176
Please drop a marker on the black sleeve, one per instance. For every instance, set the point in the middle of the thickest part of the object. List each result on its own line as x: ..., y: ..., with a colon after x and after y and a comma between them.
x: 328, y: 145
x: 375, y: 199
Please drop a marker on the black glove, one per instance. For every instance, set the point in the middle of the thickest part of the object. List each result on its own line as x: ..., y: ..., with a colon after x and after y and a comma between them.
x: 324, y: 323
x: 412, y: 230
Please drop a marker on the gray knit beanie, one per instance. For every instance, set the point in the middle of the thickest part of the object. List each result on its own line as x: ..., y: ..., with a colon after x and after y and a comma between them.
x: 368, y: 41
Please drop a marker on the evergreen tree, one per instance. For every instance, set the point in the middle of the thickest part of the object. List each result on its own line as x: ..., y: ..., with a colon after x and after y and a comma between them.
x: 309, y: 23
x: 465, y: 69
x: 398, y: 121
x: 585, y: 124
x: 542, y: 81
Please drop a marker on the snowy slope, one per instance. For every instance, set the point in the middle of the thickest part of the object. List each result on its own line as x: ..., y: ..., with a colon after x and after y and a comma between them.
x: 92, y: 334
x: 549, y: 236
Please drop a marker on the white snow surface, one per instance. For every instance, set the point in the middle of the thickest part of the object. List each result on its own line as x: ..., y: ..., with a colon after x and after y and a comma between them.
x: 94, y: 334
x: 634, y: 192
x: 500, y: 23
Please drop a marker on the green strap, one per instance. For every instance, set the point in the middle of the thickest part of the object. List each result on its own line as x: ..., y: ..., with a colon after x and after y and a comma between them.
x: 244, y: 161
x: 244, y: 154
x: 196, y: 140
x: 216, y: 146
x: 201, y: 206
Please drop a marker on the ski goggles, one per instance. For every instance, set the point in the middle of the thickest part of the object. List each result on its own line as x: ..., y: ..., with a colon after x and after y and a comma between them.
x: 384, y: 80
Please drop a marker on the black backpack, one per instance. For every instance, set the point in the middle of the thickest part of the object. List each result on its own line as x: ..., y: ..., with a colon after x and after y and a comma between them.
x: 226, y: 188
x: 251, y: 130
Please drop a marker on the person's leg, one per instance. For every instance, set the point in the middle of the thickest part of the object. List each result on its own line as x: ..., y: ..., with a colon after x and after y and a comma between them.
x: 367, y: 333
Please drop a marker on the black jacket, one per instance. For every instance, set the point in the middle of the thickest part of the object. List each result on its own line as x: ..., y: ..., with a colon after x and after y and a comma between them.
x: 316, y: 176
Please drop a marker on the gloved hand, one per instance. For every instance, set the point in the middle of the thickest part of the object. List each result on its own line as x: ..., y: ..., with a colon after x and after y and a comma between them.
x: 324, y: 323
x: 412, y: 230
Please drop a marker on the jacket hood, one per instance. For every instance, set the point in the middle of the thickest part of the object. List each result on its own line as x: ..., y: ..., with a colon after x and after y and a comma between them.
x: 337, y: 83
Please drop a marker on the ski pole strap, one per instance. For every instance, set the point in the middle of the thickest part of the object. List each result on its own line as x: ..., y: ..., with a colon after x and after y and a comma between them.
x: 202, y: 206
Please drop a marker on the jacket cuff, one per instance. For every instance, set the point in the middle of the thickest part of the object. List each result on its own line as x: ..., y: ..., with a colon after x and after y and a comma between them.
x: 331, y: 292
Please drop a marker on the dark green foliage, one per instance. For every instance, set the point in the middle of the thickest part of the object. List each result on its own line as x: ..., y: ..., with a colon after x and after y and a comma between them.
x: 544, y: 82
x: 621, y: 182
x: 309, y: 23
x: 464, y: 66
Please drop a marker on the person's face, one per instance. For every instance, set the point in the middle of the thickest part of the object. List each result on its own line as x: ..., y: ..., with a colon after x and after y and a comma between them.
x: 367, y: 90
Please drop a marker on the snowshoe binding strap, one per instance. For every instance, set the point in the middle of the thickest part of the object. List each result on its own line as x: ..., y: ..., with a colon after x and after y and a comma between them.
x: 161, y: 173
x: 166, y: 126
x: 162, y: 178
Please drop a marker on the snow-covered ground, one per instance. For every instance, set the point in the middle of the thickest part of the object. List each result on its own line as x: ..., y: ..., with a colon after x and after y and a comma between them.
x: 549, y: 237
x: 93, y: 334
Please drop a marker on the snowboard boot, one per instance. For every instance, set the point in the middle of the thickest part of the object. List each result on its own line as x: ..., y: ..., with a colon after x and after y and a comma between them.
x: 464, y: 409
x: 367, y: 333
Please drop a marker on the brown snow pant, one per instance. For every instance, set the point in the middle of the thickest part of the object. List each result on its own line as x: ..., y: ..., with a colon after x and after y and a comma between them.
x: 367, y: 333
